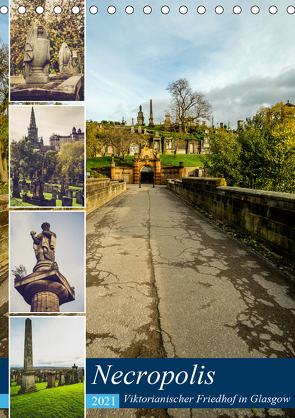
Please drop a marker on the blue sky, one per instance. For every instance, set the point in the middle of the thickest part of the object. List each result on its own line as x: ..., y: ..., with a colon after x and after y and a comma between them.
x: 240, y: 62
x: 57, y: 341
x: 69, y: 227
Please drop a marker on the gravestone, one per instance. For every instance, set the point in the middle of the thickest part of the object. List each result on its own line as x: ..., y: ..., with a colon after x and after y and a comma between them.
x: 67, y: 201
x: 19, y: 379
x: 67, y: 379
x: 15, y: 189
x: 139, y: 129
x: 51, y: 380
x: 80, y: 197
x: 61, y: 381
x: 54, y: 194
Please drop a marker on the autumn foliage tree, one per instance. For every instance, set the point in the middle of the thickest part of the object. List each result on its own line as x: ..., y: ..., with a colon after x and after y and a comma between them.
x: 64, y: 27
x: 260, y: 156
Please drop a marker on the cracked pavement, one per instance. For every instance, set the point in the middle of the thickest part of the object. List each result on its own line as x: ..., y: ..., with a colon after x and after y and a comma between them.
x: 163, y: 281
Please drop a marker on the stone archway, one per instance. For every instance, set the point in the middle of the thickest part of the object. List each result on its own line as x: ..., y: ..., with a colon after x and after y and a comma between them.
x: 146, y: 175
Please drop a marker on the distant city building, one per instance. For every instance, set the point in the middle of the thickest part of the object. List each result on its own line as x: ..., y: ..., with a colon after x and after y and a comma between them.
x: 55, y: 140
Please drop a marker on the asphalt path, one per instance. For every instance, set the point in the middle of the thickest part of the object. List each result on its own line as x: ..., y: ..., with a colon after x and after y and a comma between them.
x: 163, y: 281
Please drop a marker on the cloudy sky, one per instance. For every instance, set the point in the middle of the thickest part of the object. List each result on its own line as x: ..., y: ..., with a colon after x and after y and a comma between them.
x: 69, y: 228
x: 49, y: 119
x: 57, y: 341
x: 240, y: 62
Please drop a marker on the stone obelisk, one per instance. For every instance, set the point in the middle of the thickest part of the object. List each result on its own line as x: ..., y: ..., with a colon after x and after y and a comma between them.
x: 28, y: 375
x: 151, y: 120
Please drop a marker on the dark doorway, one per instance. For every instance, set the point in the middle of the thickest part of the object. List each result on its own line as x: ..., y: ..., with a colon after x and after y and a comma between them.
x: 146, y: 174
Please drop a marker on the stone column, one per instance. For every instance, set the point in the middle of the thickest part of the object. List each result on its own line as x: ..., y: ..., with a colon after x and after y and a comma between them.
x: 28, y: 375
x: 136, y: 173
x: 113, y: 169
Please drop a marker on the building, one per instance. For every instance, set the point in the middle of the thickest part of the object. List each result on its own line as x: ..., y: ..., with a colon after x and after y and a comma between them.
x: 56, y: 141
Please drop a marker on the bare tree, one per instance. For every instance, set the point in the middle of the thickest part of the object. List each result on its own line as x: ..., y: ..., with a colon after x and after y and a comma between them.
x: 188, y: 103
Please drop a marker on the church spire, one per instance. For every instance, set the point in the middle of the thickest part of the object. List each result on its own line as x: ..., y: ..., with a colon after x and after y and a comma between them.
x: 32, y: 119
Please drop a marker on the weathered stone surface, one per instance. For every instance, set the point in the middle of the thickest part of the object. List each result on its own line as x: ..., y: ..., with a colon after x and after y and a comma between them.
x: 37, y: 56
x: 28, y: 375
x: 64, y: 59
x: 72, y: 89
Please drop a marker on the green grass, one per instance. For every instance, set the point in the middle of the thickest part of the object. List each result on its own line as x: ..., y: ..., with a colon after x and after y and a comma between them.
x: 189, y: 160
x: 59, y: 402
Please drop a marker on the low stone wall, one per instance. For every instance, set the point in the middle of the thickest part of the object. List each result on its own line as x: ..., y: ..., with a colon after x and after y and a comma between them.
x: 268, y: 216
x: 100, y: 191
x: 3, y: 231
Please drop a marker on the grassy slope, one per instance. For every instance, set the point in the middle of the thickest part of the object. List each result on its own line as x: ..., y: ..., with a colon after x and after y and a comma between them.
x: 63, y: 402
x: 189, y: 160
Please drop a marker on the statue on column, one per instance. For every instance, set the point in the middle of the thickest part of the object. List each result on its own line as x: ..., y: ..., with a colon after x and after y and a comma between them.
x: 44, y: 246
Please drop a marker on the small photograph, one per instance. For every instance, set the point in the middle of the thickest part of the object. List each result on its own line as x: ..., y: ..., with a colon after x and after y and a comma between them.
x: 47, y: 364
x: 47, y: 148
x: 47, y: 261
x: 46, y: 51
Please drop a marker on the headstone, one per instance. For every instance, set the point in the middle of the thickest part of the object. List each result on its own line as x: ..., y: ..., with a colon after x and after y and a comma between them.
x: 61, y: 380
x: 67, y: 379
x: 54, y: 194
x: 51, y: 380
x: 15, y: 189
x: 18, y: 379
x: 80, y: 197
x: 37, y: 56
x: 132, y: 129
x: 145, y: 131
x: 139, y: 129
x: 67, y: 201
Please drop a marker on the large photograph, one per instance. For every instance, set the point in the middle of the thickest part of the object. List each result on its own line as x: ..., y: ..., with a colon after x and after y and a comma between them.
x: 193, y: 109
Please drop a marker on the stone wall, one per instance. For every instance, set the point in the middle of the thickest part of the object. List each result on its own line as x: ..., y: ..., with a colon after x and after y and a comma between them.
x: 100, y: 191
x: 3, y: 229
x: 268, y: 216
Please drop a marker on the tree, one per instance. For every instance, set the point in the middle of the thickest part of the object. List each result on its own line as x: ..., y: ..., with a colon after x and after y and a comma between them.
x: 70, y: 161
x: 92, y: 138
x: 188, y: 103
x: 225, y: 158
x: 3, y: 111
x: 120, y: 139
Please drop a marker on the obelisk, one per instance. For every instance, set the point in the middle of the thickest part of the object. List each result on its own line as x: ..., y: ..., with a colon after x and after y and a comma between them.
x: 151, y: 120
x: 28, y: 375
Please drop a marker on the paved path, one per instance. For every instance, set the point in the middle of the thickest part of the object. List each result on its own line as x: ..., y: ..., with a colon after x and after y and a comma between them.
x: 163, y: 281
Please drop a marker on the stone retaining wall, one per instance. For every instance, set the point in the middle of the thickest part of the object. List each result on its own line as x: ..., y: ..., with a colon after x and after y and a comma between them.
x: 100, y: 191
x: 3, y: 232
x: 268, y: 216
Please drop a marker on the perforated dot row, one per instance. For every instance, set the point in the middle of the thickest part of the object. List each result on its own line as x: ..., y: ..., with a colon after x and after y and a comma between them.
x: 200, y: 9
x: 148, y: 10
x: 39, y: 9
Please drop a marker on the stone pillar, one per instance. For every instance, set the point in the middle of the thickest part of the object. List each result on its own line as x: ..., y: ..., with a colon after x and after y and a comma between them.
x: 181, y: 170
x: 113, y: 169
x: 51, y: 380
x: 151, y: 120
x: 158, y: 170
x: 28, y: 375
x: 136, y: 173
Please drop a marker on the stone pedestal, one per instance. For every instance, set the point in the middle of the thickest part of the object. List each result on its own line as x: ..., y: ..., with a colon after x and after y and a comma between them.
x: 28, y: 382
x: 45, y: 290
x: 51, y: 380
x: 61, y: 381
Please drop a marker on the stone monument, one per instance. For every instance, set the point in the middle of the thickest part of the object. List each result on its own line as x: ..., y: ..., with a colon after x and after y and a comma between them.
x: 140, y: 117
x: 46, y: 288
x: 64, y: 59
x: 37, y: 56
x: 151, y: 120
x: 28, y: 375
